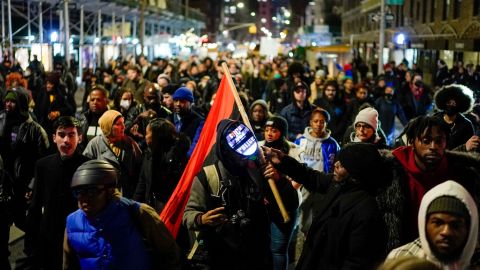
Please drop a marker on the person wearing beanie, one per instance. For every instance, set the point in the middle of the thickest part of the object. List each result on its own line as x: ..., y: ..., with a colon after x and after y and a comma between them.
x: 348, y: 209
x: 110, y: 231
x: 448, y: 229
x: 454, y: 101
x: 258, y: 116
x: 276, y: 127
x: 298, y: 112
x: 186, y: 119
x: 118, y: 149
x: 365, y: 129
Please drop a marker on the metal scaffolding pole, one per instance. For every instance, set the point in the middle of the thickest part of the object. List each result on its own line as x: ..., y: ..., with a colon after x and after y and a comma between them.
x: 3, y: 22
x: 122, y: 32
x: 10, y: 36
x: 381, y: 42
x: 29, y: 24
x: 40, y: 23
x: 80, y: 47
x: 66, y: 28
x: 99, y: 35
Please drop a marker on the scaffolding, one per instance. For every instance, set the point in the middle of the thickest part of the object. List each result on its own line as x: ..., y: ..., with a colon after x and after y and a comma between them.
x: 85, y: 20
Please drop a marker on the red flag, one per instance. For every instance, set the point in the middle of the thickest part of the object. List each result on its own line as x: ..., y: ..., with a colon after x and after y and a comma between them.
x: 223, y: 108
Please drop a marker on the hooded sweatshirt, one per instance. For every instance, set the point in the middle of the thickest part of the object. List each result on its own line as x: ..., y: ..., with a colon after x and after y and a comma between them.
x: 318, y: 153
x: 419, y: 182
x: 421, y: 248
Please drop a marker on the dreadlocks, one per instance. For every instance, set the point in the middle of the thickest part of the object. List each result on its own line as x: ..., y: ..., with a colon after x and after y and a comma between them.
x: 424, y: 124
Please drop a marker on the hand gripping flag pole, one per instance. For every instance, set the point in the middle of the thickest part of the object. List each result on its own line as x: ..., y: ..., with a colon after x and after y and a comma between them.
x: 246, y: 121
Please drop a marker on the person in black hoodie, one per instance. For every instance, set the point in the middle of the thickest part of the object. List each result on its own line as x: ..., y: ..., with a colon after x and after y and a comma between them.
x: 22, y: 142
x: 348, y: 232
x: 163, y: 163
x: 226, y: 204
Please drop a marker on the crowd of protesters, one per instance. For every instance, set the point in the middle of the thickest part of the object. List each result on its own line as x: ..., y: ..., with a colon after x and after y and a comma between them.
x: 368, y: 166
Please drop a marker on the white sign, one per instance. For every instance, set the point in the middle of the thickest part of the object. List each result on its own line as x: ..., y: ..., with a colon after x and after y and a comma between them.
x: 269, y: 46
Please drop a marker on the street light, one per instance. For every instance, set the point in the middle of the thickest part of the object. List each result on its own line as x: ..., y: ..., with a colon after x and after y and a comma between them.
x: 252, y: 14
x: 241, y: 5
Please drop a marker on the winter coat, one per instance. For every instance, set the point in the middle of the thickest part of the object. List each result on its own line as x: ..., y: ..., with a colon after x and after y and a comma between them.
x: 411, y: 106
x: 421, y: 247
x: 191, y: 125
x: 128, y: 163
x: 158, y: 178
x: 297, y: 119
x: 337, y: 112
x: 396, y: 202
x: 125, y: 235
x: 318, y: 153
x: 90, y: 128
x: 460, y: 130
x: 387, y: 110
x: 348, y: 232
x: 51, y: 203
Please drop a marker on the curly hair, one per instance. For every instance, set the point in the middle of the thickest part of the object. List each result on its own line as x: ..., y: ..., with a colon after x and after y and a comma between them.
x: 16, y: 77
x: 462, y: 95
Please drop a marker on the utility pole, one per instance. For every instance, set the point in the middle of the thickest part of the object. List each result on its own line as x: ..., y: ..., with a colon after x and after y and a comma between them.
x: 381, y: 42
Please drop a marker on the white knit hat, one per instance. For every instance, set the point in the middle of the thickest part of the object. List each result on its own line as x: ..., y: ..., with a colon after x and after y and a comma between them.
x: 369, y: 116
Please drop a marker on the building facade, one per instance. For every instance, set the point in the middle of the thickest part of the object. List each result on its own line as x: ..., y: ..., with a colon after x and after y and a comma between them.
x: 433, y: 29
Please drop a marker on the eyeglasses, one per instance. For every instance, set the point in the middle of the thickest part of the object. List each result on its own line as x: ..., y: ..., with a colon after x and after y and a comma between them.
x: 364, y: 126
x: 300, y: 90
x: 89, y: 192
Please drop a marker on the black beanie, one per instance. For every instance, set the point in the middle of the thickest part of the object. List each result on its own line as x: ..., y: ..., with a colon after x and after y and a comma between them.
x: 362, y: 161
x: 279, y: 123
x: 448, y: 204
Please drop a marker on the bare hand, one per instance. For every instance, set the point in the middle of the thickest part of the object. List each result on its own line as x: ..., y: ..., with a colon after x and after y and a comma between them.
x: 473, y: 143
x: 134, y: 131
x: 214, y: 217
x: 271, y: 173
x: 273, y: 155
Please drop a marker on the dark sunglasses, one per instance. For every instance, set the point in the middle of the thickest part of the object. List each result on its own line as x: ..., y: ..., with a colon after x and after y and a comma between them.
x: 89, y: 192
x: 300, y: 90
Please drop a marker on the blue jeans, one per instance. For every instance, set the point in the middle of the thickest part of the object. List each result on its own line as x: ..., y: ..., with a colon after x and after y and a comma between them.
x: 281, y: 237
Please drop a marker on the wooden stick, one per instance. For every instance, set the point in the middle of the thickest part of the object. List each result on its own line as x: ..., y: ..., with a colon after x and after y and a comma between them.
x: 246, y: 121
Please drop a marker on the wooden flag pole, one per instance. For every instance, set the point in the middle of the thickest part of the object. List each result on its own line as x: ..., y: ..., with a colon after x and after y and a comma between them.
x: 246, y: 121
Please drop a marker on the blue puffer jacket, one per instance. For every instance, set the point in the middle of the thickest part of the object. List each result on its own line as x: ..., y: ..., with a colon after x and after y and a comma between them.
x: 111, y: 240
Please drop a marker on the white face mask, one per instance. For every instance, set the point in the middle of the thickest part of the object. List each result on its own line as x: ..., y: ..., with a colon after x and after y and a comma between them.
x: 125, y: 104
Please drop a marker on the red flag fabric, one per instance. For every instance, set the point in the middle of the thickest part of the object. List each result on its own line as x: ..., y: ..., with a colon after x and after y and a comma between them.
x: 223, y: 108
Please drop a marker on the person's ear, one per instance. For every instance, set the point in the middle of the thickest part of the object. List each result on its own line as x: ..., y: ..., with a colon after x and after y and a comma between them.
x: 54, y: 136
